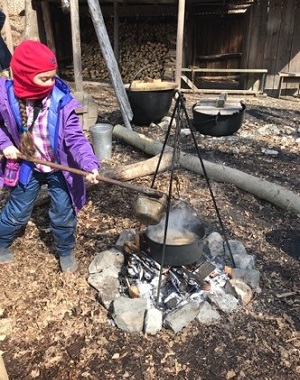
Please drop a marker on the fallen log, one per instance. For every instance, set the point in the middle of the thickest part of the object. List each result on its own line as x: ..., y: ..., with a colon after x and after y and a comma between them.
x: 275, y: 194
x: 140, y: 169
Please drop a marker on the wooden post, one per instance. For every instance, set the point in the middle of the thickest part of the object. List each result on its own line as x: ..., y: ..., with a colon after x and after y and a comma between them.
x: 76, y: 46
x: 31, y: 23
x: 116, y: 30
x: 47, y: 25
x: 111, y: 62
x: 179, y: 43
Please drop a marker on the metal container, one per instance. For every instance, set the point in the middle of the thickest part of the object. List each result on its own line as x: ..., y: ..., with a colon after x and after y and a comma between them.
x: 190, y: 227
x: 149, y: 210
x: 218, y: 121
x: 150, y: 101
x: 101, y: 135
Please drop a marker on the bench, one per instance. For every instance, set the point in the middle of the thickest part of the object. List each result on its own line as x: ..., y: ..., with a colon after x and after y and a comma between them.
x: 288, y: 77
x: 194, y: 70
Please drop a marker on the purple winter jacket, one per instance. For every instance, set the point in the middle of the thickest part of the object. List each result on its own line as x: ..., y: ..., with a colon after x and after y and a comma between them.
x: 72, y: 147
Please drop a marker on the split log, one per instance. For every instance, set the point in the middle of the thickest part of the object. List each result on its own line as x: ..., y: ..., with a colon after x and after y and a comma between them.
x: 140, y: 169
x: 275, y: 194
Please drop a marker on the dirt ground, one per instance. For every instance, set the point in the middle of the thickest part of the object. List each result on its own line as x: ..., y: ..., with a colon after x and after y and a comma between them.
x: 53, y: 327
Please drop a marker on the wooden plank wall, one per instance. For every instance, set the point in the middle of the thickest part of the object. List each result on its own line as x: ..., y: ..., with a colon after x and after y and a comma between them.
x: 294, y: 57
x: 273, y: 39
x: 254, y: 41
x: 216, y: 35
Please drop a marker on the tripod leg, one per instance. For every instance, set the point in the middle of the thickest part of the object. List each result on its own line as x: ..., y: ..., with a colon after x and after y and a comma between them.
x: 165, y: 141
x: 176, y: 143
x: 206, y: 178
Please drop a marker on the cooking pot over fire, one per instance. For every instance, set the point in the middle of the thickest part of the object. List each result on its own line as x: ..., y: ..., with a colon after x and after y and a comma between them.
x: 218, y: 117
x: 184, y: 238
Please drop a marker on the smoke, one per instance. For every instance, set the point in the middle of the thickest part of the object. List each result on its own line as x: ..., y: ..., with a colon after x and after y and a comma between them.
x: 181, y: 219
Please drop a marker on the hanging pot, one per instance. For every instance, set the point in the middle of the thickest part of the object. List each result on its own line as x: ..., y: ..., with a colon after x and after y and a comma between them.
x: 211, y: 120
x: 184, y: 240
x: 150, y: 101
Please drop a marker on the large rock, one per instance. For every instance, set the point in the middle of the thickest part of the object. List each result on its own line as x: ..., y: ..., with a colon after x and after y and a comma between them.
x: 107, y: 259
x: 129, y: 313
x: 208, y: 314
x: 182, y: 316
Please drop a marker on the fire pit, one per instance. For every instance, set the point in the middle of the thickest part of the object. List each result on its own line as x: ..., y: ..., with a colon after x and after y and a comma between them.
x: 126, y: 280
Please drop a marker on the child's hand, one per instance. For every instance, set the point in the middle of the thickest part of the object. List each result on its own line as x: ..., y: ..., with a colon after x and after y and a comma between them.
x: 11, y: 152
x: 92, y: 177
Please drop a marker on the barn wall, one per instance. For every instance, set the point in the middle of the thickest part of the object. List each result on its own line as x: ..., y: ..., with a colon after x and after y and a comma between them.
x: 273, y: 40
x: 266, y: 36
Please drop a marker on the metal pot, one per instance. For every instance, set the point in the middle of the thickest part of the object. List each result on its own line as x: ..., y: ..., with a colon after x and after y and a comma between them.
x: 150, y: 101
x: 218, y: 121
x: 184, y: 240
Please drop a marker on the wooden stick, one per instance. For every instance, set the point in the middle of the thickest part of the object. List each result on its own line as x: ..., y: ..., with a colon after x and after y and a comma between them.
x: 151, y: 192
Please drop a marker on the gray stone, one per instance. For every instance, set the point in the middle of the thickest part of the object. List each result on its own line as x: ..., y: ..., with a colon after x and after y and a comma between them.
x: 208, y: 314
x: 243, y: 290
x: 269, y: 129
x: 182, y: 316
x: 107, y: 259
x: 153, y: 321
x: 241, y: 258
x: 129, y: 313
x: 204, y: 270
x: 109, y: 292
x: 224, y: 302
x: 107, y: 284
x: 214, y: 245
x: 126, y: 235
x: 249, y: 276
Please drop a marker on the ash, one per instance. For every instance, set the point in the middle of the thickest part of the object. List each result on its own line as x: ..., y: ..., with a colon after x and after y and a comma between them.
x: 178, y: 286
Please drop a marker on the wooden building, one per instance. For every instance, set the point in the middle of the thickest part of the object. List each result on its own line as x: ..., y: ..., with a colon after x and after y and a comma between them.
x: 240, y: 45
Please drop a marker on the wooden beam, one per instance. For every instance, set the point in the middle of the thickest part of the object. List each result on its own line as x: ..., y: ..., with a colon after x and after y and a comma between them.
x: 48, y: 26
x: 116, y: 30
x: 76, y: 45
x: 189, y: 82
x: 111, y: 63
x: 179, y: 43
x: 218, y: 91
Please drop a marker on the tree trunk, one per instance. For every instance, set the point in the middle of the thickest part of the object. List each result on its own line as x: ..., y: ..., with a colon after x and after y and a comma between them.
x: 261, y: 188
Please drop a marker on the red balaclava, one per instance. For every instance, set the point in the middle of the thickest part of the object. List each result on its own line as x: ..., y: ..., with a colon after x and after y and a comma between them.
x: 29, y: 59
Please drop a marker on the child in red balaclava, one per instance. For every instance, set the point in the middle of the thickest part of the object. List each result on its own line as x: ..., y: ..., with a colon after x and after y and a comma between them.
x: 38, y: 118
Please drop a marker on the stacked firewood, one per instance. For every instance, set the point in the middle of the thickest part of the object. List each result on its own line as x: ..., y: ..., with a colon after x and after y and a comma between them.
x: 143, y: 53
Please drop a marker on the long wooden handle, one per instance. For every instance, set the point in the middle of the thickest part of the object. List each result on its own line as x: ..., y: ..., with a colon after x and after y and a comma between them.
x: 151, y: 192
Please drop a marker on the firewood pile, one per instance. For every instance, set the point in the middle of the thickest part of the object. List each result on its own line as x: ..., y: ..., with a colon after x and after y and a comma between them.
x: 145, y: 51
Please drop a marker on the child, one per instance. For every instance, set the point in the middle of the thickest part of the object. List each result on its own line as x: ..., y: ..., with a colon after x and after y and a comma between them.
x: 37, y: 118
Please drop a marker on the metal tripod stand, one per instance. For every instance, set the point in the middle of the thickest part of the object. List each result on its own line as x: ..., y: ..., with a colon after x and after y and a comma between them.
x: 178, y: 111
